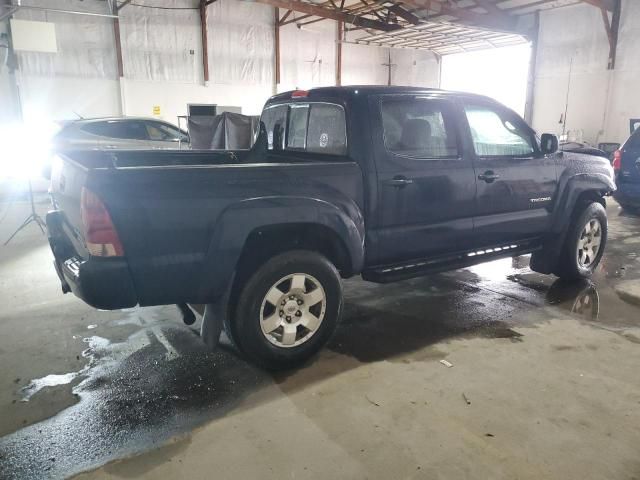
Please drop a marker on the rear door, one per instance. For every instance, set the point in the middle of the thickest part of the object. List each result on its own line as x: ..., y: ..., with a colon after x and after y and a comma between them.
x: 426, y: 186
x: 630, y: 164
x: 515, y: 182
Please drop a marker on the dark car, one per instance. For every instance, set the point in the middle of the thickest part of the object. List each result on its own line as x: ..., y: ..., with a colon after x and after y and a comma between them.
x: 626, y: 164
x: 384, y: 182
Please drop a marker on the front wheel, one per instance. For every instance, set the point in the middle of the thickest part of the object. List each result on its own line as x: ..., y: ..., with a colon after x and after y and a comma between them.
x: 584, y: 245
x: 288, y: 309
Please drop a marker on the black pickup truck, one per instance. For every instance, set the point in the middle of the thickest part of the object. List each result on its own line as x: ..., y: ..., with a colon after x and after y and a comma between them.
x: 384, y: 182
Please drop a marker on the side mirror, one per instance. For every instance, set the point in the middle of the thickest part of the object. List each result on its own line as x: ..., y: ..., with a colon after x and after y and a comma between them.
x: 548, y: 143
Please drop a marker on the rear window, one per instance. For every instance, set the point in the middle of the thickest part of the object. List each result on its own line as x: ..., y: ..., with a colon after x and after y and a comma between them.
x: 297, y: 127
x: 307, y: 127
x: 326, y: 132
x: 275, y: 120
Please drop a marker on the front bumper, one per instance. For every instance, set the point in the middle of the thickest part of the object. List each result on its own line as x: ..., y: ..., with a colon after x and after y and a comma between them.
x: 103, y: 283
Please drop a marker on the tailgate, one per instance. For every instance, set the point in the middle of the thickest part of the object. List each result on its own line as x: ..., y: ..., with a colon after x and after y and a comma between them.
x: 102, y: 282
x: 67, y: 179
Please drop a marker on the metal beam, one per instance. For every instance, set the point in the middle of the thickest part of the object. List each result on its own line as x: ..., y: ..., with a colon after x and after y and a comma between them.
x: 492, y: 9
x: 331, y: 14
x: 123, y: 4
x: 59, y: 10
x: 205, y: 40
x: 483, y: 20
x: 276, y: 36
x: 612, y: 29
x: 405, y: 14
x: 118, y: 42
x: 284, y: 17
x: 339, y: 35
x: 531, y: 77
x: 8, y: 13
x: 609, y: 5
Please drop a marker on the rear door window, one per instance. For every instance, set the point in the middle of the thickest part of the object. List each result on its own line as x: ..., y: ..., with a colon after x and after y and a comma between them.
x: 103, y: 129
x: 419, y: 128
x: 162, y: 132
x: 131, y: 130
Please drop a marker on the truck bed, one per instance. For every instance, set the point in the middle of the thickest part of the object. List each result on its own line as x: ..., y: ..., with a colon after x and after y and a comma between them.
x: 168, y: 206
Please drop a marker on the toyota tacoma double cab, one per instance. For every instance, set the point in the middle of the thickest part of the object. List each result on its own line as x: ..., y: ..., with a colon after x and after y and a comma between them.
x: 384, y: 182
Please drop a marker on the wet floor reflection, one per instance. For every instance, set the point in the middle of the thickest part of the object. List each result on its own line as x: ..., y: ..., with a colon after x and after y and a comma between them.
x: 161, y: 381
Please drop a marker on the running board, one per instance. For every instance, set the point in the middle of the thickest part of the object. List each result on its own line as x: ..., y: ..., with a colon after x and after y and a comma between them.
x: 419, y: 268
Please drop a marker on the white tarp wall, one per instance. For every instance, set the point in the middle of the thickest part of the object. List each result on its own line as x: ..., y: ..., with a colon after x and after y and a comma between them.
x: 161, y: 70
x: 307, y: 56
x: 162, y: 55
x: 81, y: 76
x: 600, y: 101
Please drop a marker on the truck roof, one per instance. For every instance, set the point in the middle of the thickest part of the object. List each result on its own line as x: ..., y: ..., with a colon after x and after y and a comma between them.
x: 351, y: 90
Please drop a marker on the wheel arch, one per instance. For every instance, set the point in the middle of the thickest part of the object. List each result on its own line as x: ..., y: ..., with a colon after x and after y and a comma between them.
x: 254, y: 230
x: 578, y: 191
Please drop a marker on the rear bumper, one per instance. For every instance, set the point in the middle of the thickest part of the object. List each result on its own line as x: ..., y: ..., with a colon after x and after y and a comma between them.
x: 628, y: 193
x: 103, y: 283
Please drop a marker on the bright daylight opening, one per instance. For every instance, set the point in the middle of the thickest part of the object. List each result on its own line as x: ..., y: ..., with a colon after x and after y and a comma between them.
x: 499, y: 73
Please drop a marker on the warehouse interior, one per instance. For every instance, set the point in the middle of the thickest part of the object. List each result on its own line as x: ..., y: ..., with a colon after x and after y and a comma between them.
x: 485, y: 371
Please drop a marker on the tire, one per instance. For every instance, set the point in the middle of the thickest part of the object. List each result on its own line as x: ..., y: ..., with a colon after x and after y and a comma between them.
x: 274, y: 335
x: 576, y: 262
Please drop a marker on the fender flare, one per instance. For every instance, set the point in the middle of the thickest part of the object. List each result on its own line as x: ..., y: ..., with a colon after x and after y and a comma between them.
x: 236, y: 223
x: 570, y: 188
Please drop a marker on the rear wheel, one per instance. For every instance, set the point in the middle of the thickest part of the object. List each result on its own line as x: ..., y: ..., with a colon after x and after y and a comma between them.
x: 585, y: 242
x: 287, y: 310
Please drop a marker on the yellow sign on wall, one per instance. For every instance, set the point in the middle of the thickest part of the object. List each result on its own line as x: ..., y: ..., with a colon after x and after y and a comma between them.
x: 156, y: 109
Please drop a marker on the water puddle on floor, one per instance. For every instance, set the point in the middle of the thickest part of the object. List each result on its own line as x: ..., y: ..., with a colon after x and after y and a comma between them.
x: 55, y: 380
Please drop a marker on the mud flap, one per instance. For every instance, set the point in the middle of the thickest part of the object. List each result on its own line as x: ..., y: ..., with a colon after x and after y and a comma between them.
x: 545, y: 261
x: 212, y: 323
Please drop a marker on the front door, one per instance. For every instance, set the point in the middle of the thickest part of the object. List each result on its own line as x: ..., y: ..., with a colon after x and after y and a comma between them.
x: 516, y: 184
x: 426, y: 186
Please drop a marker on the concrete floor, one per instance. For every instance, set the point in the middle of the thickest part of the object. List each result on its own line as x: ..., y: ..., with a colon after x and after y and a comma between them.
x: 544, y: 382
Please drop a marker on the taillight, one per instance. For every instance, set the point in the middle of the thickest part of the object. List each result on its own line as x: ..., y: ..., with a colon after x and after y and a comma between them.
x: 617, y: 160
x: 99, y: 233
x: 299, y: 93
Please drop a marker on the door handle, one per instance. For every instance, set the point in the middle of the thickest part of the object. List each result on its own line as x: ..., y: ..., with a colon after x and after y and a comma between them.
x: 488, y: 176
x: 399, y: 182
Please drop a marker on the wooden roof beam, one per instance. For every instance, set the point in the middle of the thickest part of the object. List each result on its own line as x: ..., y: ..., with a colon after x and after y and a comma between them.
x: 501, y: 22
x: 310, y: 9
x: 608, y: 5
x: 405, y: 14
